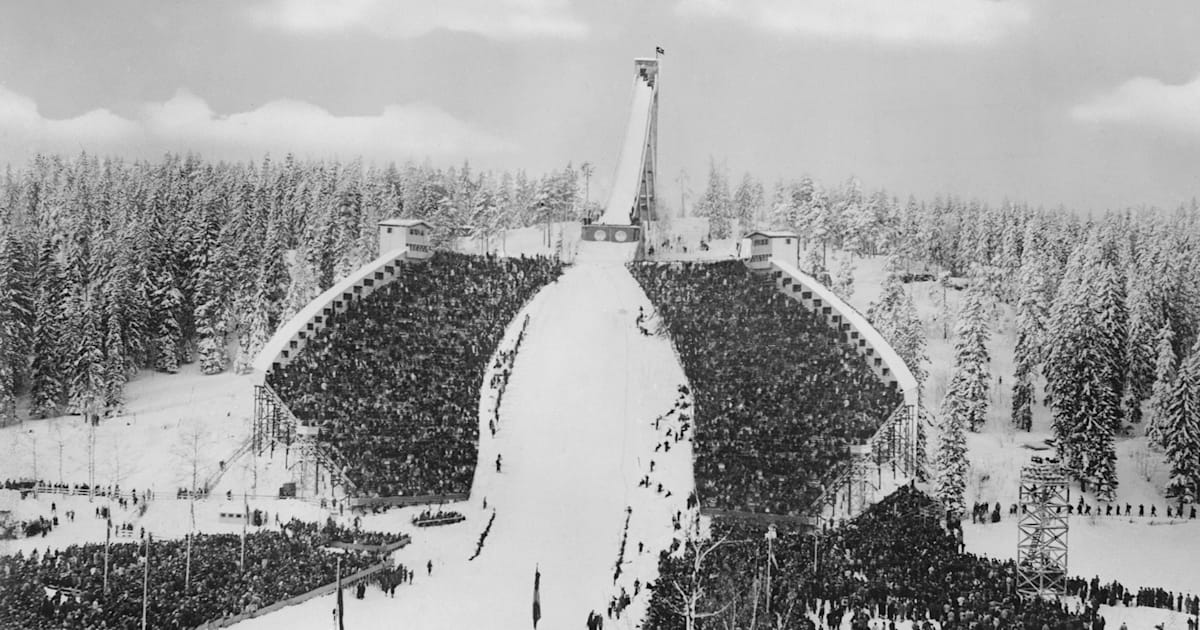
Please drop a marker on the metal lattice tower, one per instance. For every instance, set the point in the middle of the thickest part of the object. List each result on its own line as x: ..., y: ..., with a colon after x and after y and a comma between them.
x: 1042, y: 541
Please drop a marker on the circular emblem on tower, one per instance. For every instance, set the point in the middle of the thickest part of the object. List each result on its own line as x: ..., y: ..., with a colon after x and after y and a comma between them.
x: 620, y: 236
x: 600, y: 235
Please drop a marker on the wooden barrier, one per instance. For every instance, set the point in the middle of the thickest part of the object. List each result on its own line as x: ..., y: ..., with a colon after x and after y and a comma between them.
x: 388, y: 548
x: 760, y: 517
x: 347, y: 582
x: 404, y: 501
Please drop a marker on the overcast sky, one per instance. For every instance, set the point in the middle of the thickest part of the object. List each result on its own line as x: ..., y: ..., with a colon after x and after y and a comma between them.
x: 1088, y: 103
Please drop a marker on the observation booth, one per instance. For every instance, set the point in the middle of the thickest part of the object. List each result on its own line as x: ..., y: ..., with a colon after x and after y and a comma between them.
x: 412, y: 234
x: 768, y: 246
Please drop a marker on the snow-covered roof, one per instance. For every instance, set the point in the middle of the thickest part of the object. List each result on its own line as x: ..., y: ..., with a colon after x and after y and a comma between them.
x: 773, y: 234
x: 405, y: 222
x: 287, y: 332
x: 904, y: 377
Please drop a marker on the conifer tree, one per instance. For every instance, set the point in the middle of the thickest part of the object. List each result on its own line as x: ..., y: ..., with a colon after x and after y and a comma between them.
x: 1181, y: 428
x: 1164, y: 380
x: 895, y: 317
x: 843, y: 278
x: 1031, y: 316
x: 1139, y: 350
x: 48, y: 387
x: 971, y: 378
x: 951, y: 465
x: 10, y: 331
x: 87, y: 370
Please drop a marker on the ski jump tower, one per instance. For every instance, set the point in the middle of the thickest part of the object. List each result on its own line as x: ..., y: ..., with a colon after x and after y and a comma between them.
x: 631, y: 204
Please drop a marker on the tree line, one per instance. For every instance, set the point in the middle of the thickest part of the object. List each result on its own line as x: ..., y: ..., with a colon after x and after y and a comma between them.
x: 110, y: 266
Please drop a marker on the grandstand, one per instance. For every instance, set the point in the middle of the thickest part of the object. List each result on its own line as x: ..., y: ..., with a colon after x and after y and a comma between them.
x: 377, y: 380
x: 780, y: 396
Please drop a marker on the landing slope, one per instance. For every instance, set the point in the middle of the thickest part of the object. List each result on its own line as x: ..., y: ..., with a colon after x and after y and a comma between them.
x: 576, y: 435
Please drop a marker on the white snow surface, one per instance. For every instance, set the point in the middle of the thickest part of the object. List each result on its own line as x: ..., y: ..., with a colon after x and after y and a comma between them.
x: 576, y: 435
x: 633, y: 152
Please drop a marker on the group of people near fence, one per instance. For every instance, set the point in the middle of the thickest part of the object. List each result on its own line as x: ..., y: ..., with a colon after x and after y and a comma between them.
x: 66, y: 588
x: 393, y: 381
x: 897, y: 562
x: 779, y: 395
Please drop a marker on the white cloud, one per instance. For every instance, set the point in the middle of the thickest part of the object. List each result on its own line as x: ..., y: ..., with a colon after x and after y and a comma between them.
x: 187, y: 123
x: 896, y: 22
x: 499, y: 19
x: 1147, y: 101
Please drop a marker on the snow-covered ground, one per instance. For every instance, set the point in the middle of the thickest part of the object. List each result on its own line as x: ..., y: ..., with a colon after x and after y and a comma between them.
x: 148, y: 445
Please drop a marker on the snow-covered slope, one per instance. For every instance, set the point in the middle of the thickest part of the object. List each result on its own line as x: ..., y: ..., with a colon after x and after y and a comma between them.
x: 576, y: 435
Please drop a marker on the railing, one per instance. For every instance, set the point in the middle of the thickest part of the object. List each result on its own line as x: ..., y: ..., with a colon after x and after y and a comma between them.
x: 347, y: 582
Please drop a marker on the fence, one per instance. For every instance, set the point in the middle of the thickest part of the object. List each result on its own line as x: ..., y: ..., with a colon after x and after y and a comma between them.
x: 347, y: 582
x: 385, y: 548
x: 403, y: 501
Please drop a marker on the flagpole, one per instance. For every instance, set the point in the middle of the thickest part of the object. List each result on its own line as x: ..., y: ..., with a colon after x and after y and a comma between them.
x: 146, y: 581
x: 107, y: 542
x: 245, y: 517
x: 340, y: 626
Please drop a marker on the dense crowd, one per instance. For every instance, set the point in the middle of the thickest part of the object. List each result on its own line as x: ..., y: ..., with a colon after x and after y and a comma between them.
x: 65, y: 589
x: 779, y: 397
x: 896, y: 561
x: 394, y: 381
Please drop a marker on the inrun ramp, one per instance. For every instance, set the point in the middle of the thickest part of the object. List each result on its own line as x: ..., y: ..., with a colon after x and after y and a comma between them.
x: 633, y: 193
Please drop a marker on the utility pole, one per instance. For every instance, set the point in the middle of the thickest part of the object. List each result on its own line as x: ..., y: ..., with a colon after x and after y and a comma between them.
x: 146, y: 581
x: 682, y: 180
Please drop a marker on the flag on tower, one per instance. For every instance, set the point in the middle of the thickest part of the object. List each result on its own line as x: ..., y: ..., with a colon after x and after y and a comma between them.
x: 537, y: 598
x: 658, y: 50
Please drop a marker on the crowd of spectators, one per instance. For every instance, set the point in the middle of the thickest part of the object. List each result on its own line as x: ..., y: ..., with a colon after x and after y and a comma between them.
x: 895, y: 562
x: 65, y: 589
x: 393, y: 382
x: 779, y: 397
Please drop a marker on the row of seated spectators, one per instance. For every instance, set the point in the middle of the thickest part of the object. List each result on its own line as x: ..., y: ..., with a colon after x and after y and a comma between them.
x: 896, y: 561
x: 65, y: 589
x: 393, y: 382
x: 779, y: 397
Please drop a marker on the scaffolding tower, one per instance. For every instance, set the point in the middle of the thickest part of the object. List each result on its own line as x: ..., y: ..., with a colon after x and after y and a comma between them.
x: 1042, y: 538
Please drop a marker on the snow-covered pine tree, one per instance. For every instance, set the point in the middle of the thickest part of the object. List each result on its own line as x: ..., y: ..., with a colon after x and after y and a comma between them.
x: 48, y: 387
x: 1031, y: 317
x: 1164, y: 380
x: 921, y: 454
x: 87, y: 367
x: 895, y: 317
x: 843, y: 277
x: 115, y: 369
x: 1181, y: 429
x: 1070, y: 324
x: 715, y: 203
x: 972, y: 375
x: 166, y: 300
x: 10, y: 331
x: 1139, y: 349
x: 951, y: 466
x: 1112, y: 325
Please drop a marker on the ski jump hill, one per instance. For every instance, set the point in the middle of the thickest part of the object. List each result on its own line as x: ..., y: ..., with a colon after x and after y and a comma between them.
x: 587, y: 407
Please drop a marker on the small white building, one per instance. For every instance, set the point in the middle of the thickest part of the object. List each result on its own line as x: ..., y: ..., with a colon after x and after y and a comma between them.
x: 768, y: 246
x: 412, y: 234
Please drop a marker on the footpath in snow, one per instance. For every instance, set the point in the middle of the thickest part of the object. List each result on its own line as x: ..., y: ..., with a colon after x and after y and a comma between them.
x: 576, y: 436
